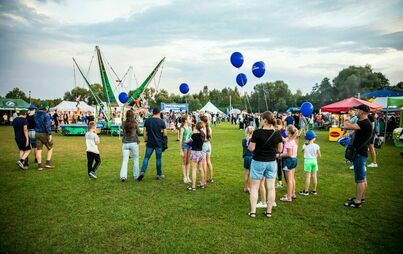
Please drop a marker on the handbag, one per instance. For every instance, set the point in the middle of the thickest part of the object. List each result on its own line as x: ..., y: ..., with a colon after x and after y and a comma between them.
x: 378, y: 142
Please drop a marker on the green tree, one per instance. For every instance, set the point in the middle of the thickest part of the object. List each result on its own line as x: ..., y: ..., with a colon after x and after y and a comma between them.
x: 357, y: 79
x: 16, y: 93
x: 76, y: 92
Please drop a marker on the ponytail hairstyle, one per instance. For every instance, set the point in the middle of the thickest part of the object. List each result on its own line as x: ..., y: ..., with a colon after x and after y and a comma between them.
x: 204, y: 119
x: 293, y: 131
x: 130, y: 123
x: 269, y: 117
x: 199, y: 127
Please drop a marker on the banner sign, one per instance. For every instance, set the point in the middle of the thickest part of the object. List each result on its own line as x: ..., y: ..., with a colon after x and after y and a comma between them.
x: 175, y: 107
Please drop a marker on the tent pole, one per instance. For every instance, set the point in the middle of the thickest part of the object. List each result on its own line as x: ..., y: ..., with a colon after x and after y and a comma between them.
x: 386, y: 117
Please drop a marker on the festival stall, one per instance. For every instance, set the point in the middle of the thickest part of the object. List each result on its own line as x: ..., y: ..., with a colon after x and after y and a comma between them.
x: 209, y: 107
x: 339, y: 111
x: 398, y: 132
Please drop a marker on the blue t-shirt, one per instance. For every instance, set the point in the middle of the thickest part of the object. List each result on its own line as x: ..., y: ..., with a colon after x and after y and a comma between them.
x: 289, y: 120
x: 18, y: 124
x: 154, y: 127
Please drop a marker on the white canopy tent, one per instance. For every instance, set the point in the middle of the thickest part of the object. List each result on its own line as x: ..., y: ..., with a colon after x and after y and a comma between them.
x: 209, y: 107
x: 72, y: 106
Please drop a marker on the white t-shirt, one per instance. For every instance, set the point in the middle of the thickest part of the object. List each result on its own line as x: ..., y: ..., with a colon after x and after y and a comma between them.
x: 310, y: 151
x: 90, y: 140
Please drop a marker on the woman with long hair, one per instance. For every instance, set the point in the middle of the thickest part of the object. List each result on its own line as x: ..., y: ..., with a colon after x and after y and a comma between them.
x: 131, y: 143
x: 265, y: 145
x: 185, y: 134
x: 207, y: 149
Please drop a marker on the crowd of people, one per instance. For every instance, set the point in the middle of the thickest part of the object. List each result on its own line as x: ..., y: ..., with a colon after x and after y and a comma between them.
x: 270, y: 148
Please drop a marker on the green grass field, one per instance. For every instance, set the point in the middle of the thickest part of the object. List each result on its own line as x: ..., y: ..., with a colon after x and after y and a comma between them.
x: 60, y: 210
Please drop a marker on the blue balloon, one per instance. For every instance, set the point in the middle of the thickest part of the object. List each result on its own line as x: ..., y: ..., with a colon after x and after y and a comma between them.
x: 258, y: 69
x: 241, y: 79
x: 123, y: 97
x: 306, y: 109
x: 184, y: 88
x: 237, y: 59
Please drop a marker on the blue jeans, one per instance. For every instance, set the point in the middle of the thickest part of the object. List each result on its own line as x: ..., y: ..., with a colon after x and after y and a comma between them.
x: 126, y: 149
x: 158, y: 155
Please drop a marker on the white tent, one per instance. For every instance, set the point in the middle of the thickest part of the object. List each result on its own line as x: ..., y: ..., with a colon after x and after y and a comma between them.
x: 209, y: 107
x: 72, y: 106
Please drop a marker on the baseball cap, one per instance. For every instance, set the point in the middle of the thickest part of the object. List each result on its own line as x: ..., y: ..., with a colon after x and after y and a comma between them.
x: 43, y: 105
x: 363, y: 107
x: 31, y: 107
x: 310, y: 134
x: 23, y: 112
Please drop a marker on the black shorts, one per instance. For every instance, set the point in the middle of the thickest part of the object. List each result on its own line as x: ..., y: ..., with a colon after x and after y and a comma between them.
x: 22, y: 145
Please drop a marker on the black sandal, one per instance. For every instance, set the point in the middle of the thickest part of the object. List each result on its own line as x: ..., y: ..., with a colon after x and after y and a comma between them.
x: 190, y: 188
x: 353, y: 198
x: 252, y: 215
x: 201, y: 186
x: 353, y: 204
x: 268, y: 215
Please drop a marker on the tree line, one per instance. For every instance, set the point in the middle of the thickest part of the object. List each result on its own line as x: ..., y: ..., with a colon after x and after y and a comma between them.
x: 274, y: 96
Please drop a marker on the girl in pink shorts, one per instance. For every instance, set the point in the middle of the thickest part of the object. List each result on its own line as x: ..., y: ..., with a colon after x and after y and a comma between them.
x: 197, y: 156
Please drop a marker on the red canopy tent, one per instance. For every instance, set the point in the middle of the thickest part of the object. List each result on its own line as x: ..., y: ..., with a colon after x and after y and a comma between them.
x: 346, y: 104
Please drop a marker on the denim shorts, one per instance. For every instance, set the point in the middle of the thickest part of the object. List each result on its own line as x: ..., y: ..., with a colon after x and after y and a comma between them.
x: 185, y: 146
x: 290, y: 163
x: 360, y: 169
x: 207, y: 148
x: 247, y: 160
x: 260, y: 169
x: 32, y: 139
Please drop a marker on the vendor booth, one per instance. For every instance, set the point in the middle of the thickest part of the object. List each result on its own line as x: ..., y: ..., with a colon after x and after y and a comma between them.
x: 209, y: 107
x: 339, y: 111
x: 398, y: 132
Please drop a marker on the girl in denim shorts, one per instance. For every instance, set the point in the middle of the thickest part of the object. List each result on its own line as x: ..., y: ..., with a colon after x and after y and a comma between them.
x: 290, y: 161
x: 185, y: 134
x: 197, y: 156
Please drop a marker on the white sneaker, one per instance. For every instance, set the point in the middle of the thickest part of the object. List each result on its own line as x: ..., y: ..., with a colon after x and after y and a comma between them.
x: 352, y: 167
x: 372, y: 165
x: 189, y: 180
x: 92, y: 174
x: 279, y: 186
x: 261, y: 205
x: 185, y: 180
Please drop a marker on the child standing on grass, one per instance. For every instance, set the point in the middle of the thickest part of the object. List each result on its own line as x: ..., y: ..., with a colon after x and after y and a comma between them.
x: 247, y: 156
x: 290, y: 161
x: 311, y: 153
x: 280, y: 162
x: 92, y: 141
x: 197, y: 156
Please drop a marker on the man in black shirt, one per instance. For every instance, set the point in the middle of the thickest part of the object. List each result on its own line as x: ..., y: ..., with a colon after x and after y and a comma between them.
x: 154, y: 133
x: 20, y: 125
x: 362, y: 135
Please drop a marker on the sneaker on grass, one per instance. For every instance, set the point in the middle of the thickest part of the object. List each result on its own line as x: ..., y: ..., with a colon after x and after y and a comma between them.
x: 92, y: 174
x: 160, y: 177
x: 141, y: 176
x: 21, y: 165
x: 304, y: 193
x: 372, y: 165
x: 261, y: 205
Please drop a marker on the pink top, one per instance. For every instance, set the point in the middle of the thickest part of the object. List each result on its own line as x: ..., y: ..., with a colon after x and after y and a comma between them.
x: 293, y: 146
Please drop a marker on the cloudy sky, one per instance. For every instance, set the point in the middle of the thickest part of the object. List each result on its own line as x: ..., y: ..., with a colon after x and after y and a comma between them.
x: 300, y: 41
